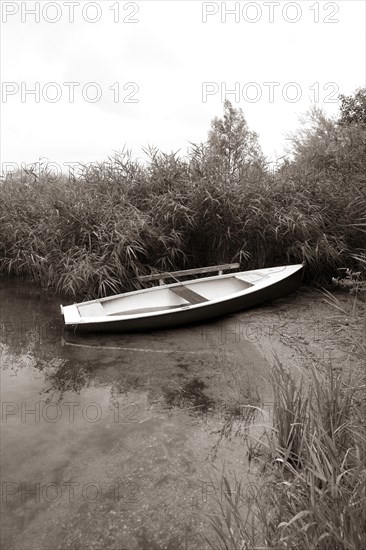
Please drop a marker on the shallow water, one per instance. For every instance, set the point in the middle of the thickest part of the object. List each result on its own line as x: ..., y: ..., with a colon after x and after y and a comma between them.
x: 118, y: 441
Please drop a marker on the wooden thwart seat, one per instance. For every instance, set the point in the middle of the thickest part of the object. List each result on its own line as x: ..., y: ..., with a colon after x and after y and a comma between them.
x: 188, y: 294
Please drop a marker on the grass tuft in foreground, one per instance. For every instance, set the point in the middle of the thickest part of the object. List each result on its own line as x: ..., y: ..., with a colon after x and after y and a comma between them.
x: 313, y: 491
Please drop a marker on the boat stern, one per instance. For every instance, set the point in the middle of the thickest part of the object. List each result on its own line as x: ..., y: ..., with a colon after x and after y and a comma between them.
x: 70, y: 315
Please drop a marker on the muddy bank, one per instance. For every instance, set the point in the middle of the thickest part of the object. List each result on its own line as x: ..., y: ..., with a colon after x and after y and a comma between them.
x: 303, y: 329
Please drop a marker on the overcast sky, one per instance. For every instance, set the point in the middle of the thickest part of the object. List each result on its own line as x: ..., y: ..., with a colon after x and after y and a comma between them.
x: 156, y: 72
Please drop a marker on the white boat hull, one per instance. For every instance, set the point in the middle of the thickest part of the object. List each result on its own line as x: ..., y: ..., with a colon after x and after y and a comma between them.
x: 184, y: 303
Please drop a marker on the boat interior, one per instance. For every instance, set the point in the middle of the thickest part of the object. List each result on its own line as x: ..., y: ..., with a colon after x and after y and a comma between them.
x: 168, y: 297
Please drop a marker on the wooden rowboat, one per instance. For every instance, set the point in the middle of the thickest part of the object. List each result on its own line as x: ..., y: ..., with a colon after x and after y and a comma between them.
x: 181, y: 303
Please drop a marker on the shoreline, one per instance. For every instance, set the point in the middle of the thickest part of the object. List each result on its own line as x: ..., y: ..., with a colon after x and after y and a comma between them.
x: 304, y: 329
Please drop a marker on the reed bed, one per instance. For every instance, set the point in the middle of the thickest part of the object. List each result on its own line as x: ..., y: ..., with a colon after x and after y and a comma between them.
x: 90, y: 234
